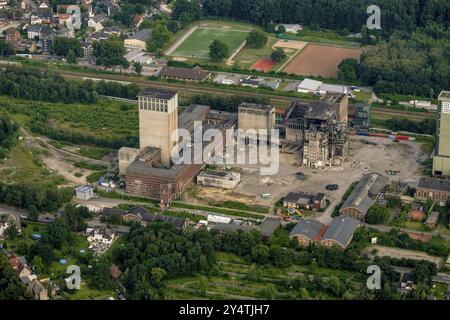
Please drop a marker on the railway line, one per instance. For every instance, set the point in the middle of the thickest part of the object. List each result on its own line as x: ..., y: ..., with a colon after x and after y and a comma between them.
x: 281, y: 101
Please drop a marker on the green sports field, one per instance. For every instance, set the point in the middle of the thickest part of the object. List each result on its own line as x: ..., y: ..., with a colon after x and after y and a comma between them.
x: 197, y: 44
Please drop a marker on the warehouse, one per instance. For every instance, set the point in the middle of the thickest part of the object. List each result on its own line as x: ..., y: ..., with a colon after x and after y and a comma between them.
x: 219, y: 179
x: 364, y: 196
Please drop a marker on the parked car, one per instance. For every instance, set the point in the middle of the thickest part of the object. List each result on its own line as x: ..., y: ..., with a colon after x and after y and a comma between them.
x: 332, y: 187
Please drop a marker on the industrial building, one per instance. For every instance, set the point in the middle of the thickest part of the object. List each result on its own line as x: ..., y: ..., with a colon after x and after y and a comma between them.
x: 359, y: 116
x: 338, y: 234
x: 441, y: 160
x: 434, y: 189
x: 320, y: 128
x: 254, y: 116
x: 364, y: 196
x: 149, y: 171
x: 219, y: 179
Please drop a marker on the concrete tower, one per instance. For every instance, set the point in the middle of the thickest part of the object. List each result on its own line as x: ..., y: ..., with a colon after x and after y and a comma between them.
x: 158, y: 118
x: 441, y: 161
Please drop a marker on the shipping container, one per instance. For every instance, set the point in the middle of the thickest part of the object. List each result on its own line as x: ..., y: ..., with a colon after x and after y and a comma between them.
x: 402, y: 138
x: 363, y: 133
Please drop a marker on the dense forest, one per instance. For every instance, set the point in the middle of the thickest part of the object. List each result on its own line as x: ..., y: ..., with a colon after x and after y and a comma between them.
x: 8, y: 135
x: 409, y: 63
x: 404, y: 15
x: 32, y: 84
x: 160, y: 252
x: 26, y: 196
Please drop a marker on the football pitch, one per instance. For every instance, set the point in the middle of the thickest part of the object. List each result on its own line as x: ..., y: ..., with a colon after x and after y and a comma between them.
x: 196, y: 45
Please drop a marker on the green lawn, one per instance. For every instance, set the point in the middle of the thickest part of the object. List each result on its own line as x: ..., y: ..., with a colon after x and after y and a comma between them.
x: 197, y: 44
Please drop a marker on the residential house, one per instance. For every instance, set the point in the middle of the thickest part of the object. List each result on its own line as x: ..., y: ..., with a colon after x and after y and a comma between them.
x: 100, y: 235
x: 143, y: 216
x: 39, y: 31
x: 88, y: 49
x: 433, y: 189
x: 26, y: 45
x: 112, y: 30
x: 24, y: 5
x: 304, y: 200
x: 38, y: 291
x: 365, y: 194
x: 12, y: 35
x: 97, y: 22
x: 107, y: 7
x: 308, y: 231
x: 139, y: 39
x: 63, y: 18
x: 4, y: 4
x: 196, y: 74
x: 137, y: 21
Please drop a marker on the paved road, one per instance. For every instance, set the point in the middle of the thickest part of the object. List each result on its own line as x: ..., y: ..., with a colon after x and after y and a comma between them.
x: 385, y: 229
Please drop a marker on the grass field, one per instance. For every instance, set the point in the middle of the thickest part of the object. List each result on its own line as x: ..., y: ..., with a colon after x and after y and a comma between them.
x: 197, y: 44
x: 24, y: 166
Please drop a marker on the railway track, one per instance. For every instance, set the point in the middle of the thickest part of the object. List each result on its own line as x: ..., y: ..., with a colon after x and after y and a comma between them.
x: 380, y: 113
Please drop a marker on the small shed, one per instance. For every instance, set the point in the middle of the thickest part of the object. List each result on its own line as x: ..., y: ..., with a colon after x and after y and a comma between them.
x: 84, y: 193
